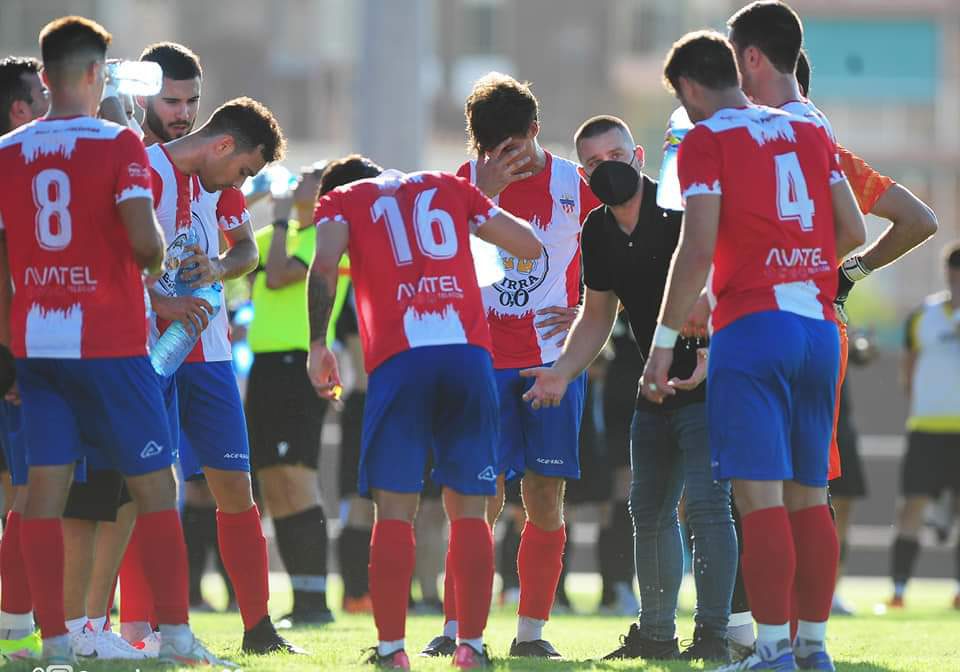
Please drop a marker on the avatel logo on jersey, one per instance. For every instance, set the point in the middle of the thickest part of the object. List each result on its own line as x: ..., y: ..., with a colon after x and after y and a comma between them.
x: 138, y: 171
x: 72, y: 278
x: 444, y: 286
x: 797, y: 257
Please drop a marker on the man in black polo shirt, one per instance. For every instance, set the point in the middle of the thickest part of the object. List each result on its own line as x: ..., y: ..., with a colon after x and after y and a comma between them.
x: 627, y: 247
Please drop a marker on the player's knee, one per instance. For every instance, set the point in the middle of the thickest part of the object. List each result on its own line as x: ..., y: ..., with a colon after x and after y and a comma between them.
x: 288, y: 490
x: 156, y: 491
x: 543, y: 501
x: 231, y: 489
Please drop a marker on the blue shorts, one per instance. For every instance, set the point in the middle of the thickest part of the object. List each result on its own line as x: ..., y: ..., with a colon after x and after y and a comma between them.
x: 545, y: 441
x: 771, y: 392
x: 14, y: 447
x: 439, y: 400
x: 213, y: 429
x: 108, y: 410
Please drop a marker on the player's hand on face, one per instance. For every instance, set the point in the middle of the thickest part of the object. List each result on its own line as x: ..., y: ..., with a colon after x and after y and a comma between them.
x: 207, y: 271
x: 654, y: 383
x: 558, y: 321
x: 698, y: 376
x: 323, y: 372
x: 190, y: 310
x: 548, y: 388
x: 696, y: 324
x: 499, y: 168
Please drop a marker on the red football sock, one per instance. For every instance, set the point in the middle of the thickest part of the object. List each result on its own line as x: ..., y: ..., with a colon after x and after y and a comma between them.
x: 392, y: 558
x: 163, y: 555
x: 136, y: 597
x: 769, y: 564
x: 449, y: 587
x: 818, y: 554
x: 472, y: 555
x: 794, y: 611
x: 15, y: 596
x: 539, y: 563
x: 42, y: 548
x: 244, y: 551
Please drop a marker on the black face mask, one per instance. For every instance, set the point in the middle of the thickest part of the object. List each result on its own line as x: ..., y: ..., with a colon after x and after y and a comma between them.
x: 614, y: 182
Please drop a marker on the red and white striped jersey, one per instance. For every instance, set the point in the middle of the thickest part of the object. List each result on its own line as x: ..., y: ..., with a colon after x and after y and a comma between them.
x: 78, y: 291
x: 556, y: 202
x: 182, y: 202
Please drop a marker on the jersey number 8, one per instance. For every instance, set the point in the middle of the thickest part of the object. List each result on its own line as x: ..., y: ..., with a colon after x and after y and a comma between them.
x: 51, y: 194
x: 442, y: 247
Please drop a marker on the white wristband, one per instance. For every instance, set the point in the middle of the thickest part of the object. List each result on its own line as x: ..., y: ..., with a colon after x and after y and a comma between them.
x: 855, y: 269
x: 665, y: 337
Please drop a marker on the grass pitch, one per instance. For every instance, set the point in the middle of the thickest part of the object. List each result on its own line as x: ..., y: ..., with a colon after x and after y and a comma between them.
x: 924, y: 637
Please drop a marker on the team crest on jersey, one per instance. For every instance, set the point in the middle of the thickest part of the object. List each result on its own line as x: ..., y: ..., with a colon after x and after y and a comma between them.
x: 521, y: 277
x: 568, y: 204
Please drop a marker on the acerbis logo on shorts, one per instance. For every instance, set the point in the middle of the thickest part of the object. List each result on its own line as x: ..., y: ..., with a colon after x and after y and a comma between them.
x: 487, y: 474
x: 234, y: 456
x: 152, y: 449
x: 548, y: 460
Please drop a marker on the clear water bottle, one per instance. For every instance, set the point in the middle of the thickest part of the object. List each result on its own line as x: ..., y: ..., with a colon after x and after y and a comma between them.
x: 277, y: 180
x: 668, y: 189
x: 136, y: 78
x: 486, y: 262
x: 173, y: 346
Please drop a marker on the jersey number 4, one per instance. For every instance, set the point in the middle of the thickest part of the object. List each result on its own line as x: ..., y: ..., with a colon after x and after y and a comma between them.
x: 51, y: 194
x: 435, y: 231
x: 793, y: 202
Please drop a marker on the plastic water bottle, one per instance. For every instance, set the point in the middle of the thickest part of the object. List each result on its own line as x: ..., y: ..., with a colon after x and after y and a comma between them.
x: 277, y: 180
x: 136, y: 78
x: 668, y: 190
x: 173, y: 346
x: 486, y: 262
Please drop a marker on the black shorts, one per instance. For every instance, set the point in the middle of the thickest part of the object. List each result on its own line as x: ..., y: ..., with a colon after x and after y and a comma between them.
x: 931, y: 465
x: 351, y: 430
x: 596, y: 476
x: 284, y: 413
x: 99, y: 498
x: 852, y: 481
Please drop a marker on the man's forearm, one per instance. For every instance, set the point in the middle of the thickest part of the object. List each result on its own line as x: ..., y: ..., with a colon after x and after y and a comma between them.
x: 320, y: 297
x: 239, y: 259
x: 277, y: 255
x: 912, y: 223
x: 586, y: 340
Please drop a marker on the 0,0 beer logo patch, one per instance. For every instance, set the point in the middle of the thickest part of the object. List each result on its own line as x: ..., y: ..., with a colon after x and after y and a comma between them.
x: 521, y: 278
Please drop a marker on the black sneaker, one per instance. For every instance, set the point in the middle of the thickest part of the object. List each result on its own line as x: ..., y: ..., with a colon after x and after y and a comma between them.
x: 397, y: 660
x: 708, y: 647
x: 468, y: 658
x: 263, y: 639
x: 538, y: 648
x: 439, y: 647
x: 296, y: 619
x: 632, y: 645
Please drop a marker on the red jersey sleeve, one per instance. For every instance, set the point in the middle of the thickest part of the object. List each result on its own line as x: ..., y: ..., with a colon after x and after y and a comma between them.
x: 479, y: 207
x: 133, y: 171
x: 868, y: 185
x: 232, y: 210
x: 699, y: 163
x: 588, y: 201
x: 329, y: 208
x: 464, y: 171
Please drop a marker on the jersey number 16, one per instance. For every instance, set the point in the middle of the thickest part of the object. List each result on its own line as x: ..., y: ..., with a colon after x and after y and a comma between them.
x: 436, y: 242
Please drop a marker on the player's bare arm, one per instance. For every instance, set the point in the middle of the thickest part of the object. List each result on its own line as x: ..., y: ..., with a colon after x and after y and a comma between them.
x: 911, y: 223
x: 281, y: 268
x: 511, y: 234
x: 499, y: 168
x: 143, y: 230
x: 688, y: 275
x: 590, y: 333
x: 322, y: 368
x: 850, y: 227
x: 239, y: 259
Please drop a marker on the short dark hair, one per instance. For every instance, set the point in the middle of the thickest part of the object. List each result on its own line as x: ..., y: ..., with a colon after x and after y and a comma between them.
x: 345, y: 170
x: 251, y: 125
x: 72, y: 36
x: 703, y: 56
x: 803, y: 73
x: 13, y: 87
x: 177, y: 61
x: 599, y: 125
x: 499, y: 107
x: 772, y: 27
x: 951, y: 255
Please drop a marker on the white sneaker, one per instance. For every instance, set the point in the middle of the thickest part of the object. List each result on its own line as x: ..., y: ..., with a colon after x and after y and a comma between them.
x: 149, y: 645
x: 84, y: 642
x: 104, y: 645
x: 194, y: 654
